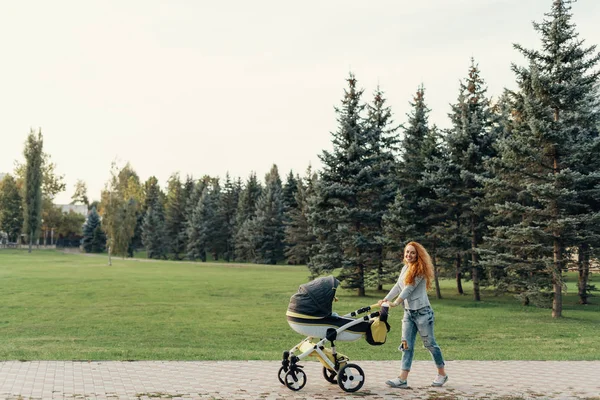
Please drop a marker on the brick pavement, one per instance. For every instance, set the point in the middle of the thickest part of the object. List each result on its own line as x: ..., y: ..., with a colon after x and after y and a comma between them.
x: 507, y: 380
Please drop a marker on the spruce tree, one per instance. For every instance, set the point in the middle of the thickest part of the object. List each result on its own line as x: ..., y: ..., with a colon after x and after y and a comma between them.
x: 380, y: 162
x: 404, y: 220
x: 188, y: 204
x: 298, y: 237
x: 175, y: 217
x: 346, y: 213
x: 154, y: 232
x: 510, y: 267
x: 469, y: 143
x: 334, y: 194
x: 200, y: 227
x: 248, y: 199
x: 558, y: 90
x: 245, y: 242
x: 268, y: 227
x: 289, y: 192
x: 227, y: 210
x: 408, y: 217
x: 94, y: 240
x: 218, y: 235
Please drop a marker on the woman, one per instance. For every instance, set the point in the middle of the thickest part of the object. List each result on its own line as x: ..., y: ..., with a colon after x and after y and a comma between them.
x: 411, y: 289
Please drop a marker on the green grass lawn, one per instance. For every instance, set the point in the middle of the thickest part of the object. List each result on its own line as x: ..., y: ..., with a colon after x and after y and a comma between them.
x: 59, y: 306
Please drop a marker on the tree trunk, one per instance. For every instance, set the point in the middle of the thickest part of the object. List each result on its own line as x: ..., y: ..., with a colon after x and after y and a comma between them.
x: 109, y: 252
x: 583, y: 265
x: 361, y: 287
x: 459, y: 287
x: 380, y: 272
x: 30, y: 241
x: 438, y: 292
x: 557, y: 279
x: 557, y: 267
x: 474, y: 261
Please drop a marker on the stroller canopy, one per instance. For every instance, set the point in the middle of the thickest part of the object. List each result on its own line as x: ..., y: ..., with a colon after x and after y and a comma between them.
x: 315, y: 297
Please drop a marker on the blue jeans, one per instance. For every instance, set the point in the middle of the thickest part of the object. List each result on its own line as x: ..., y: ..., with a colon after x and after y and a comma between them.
x: 421, y: 321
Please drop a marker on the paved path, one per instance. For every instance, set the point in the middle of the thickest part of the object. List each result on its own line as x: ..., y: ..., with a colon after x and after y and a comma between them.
x: 507, y: 380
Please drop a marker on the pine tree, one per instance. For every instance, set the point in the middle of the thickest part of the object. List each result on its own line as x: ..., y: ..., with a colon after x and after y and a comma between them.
x: 289, y: 192
x: 94, y: 240
x: 218, y: 235
x: 32, y: 199
x: 175, y: 217
x: 200, y: 227
x: 469, y: 143
x: 98, y: 240
x: 153, y: 235
x: 351, y: 193
x: 329, y: 208
x: 11, y: 208
x: 434, y: 216
x: 189, y: 202
x: 298, y: 237
x: 560, y: 112
x: 510, y: 267
x: 245, y: 242
x: 153, y: 231
x: 228, y: 211
x: 248, y: 199
x: 408, y: 218
x: 379, y: 192
x: 268, y: 226
x: 403, y: 222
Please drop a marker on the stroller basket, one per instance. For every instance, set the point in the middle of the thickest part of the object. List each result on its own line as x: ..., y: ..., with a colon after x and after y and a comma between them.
x: 310, y: 314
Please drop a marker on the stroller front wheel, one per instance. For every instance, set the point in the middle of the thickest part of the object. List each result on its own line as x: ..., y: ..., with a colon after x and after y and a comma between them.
x: 351, y: 378
x: 295, y: 380
x: 329, y: 375
x: 281, y: 375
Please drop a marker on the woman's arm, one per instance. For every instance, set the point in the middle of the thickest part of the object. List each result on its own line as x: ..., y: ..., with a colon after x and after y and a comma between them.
x: 394, y: 291
x: 408, y: 289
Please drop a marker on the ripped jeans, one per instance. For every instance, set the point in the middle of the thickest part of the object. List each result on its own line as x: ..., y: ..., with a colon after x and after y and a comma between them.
x: 421, y: 321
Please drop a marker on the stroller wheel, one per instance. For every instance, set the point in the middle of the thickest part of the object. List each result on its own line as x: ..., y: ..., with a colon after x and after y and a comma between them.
x: 295, y: 380
x: 351, y: 378
x: 281, y: 375
x: 330, y: 376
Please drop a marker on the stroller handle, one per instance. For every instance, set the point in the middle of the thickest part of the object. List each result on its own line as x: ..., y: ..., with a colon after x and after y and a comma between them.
x: 362, y: 310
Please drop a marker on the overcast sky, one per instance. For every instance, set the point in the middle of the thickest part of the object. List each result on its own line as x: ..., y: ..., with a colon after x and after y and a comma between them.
x: 210, y: 87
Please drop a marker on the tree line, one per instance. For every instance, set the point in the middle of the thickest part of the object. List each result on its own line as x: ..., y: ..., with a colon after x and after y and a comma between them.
x: 508, y: 197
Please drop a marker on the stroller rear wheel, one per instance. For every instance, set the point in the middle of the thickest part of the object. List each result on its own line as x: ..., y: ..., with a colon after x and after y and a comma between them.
x: 295, y: 380
x: 330, y: 376
x: 351, y: 378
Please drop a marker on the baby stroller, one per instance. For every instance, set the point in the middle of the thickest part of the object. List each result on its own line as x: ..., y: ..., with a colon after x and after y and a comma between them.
x: 309, y: 313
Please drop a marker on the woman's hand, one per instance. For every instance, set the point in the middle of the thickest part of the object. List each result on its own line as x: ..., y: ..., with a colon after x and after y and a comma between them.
x: 380, y: 302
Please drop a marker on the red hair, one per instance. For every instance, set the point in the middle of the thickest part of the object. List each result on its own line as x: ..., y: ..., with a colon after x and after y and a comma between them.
x: 422, y: 267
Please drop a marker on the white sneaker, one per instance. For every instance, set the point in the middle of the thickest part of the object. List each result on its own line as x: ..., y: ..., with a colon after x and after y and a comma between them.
x: 397, y: 383
x: 440, y: 380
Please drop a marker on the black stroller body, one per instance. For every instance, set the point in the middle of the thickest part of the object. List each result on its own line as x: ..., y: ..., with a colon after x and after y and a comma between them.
x: 310, y: 314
